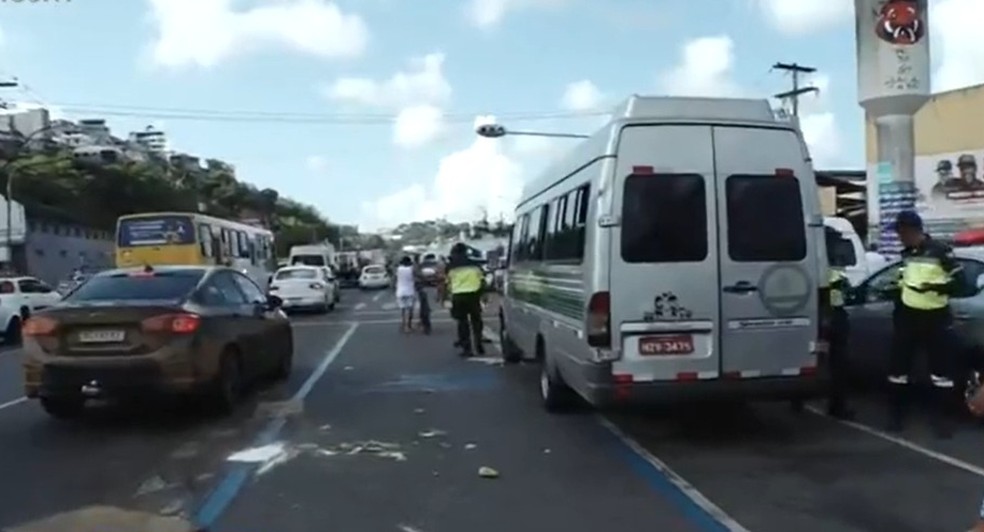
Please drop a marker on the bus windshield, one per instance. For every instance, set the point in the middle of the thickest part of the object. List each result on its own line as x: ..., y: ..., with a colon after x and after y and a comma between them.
x: 156, y: 231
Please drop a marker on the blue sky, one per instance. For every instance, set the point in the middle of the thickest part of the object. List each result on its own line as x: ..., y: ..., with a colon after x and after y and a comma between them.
x: 452, y: 61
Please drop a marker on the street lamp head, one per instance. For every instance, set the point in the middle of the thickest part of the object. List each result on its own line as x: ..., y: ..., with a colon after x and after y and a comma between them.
x: 491, y: 131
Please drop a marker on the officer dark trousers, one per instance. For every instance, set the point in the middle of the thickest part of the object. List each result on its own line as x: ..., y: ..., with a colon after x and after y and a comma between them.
x: 466, y: 309
x: 839, y: 365
x: 931, y: 332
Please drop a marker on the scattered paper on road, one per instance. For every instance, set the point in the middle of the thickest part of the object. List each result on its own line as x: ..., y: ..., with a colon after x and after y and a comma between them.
x: 487, y: 472
x: 433, y: 433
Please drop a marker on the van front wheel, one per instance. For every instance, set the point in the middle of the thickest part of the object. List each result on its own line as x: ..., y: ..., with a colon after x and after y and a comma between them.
x: 557, y: 396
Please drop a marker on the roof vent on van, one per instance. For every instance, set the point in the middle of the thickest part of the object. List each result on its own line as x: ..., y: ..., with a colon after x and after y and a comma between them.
x: 689, y: 108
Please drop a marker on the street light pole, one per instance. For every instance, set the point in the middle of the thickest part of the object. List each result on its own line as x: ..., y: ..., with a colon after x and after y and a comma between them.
x: 10, y: 189
x: 496, y: 131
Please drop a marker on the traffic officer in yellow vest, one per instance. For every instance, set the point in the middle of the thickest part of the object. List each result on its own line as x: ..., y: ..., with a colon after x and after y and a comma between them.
x: 929, y: 275
x: 466, y: 282
x: 839, y: 329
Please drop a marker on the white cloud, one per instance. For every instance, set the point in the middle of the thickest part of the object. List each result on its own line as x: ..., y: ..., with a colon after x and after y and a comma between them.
x: 582, y: 96
x: 800, y: 17
x: 317, y: 163
x: 417, y: 125
x: 479, y: 178
x: 422, y: 82
x: 203, y: 33
x: 706, y: 68
x: 487, y: 14
x: 959, y: 54
x: 417, y: 94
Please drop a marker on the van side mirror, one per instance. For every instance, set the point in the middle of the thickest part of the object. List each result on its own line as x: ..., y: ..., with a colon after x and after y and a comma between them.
x: 980, y: 282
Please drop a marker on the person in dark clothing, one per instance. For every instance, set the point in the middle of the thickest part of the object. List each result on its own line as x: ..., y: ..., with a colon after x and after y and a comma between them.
x: 422, y: 301
x: 922, y: 320
x: 466, y: 283
x: 839, y: 331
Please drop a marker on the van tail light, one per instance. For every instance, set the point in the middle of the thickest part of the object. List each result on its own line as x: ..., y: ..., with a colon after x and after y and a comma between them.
x: 172, y: 323
x: 317, y: 286
x: 39, y: 326
x: 599, y: 323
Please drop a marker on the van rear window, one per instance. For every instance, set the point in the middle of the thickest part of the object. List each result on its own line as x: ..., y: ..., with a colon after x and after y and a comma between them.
x: 664, y: 218
x: 765, y: 219
x: 307, y: 260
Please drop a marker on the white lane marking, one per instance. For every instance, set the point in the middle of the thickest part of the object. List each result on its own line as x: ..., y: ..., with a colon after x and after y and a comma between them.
x: 330, y: 357
x: 360, y: 306
x: 15, y: 402
x: 377, y: 297
x: 685, y: 487
x: 360, y: 322
x: 321, y: 323
x: 904, y: 443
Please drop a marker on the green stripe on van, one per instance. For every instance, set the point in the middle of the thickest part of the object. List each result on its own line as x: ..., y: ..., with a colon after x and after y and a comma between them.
x: 561, y: 292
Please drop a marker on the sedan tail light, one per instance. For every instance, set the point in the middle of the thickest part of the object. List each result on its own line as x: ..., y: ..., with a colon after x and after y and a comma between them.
x: 172, y: 323
x: 39, y: 326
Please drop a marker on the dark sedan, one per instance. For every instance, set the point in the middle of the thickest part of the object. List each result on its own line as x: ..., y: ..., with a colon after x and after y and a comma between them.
x: 170, y: 330
x: 870, y: 307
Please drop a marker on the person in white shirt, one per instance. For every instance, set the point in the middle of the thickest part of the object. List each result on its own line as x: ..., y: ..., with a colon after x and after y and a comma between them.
x: 406, y: 292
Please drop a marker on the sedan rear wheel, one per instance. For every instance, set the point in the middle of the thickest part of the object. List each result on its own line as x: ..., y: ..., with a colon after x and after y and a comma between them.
x: 228, y: 383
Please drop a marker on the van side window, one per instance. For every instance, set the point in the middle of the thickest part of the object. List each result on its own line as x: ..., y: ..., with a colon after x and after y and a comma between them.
x: 537, y: 230
x: 664, y: 218
x: 582, y: 197
x: 754, y: 237
x: 840, y: 250
x: 552, y: 236
x: 521, y: 232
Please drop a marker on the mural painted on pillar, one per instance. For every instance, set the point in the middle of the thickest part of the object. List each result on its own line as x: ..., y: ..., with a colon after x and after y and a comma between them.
x: 901, y: 22
x: 951, y: 185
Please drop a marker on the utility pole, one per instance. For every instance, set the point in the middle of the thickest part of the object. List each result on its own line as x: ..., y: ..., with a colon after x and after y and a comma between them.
x: 793, y: 96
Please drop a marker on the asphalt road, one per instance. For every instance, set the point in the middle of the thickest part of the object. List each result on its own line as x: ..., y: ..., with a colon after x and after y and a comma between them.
x: 377, y: 430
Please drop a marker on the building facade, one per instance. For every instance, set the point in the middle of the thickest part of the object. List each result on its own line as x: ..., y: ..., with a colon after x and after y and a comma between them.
x: 949, y: 161
x: 54, y: 248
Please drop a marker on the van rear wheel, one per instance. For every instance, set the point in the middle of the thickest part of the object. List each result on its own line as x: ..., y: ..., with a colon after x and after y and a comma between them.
x: 511, y: 354
x: 556, y: 395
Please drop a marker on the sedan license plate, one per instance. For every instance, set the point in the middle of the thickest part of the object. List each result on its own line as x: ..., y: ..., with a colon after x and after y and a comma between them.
x: 678, y: 344
x: 102, y: 336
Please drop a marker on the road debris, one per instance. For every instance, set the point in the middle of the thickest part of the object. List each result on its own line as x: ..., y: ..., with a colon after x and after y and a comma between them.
x: 470, y: 446
x: 488, y: 361
x: 433, y: 433
x: 324, y: 427
x: 349, y: 368
x: 407, y: 528
x: 418, y: 410
x: 487, y: 472
x: 152, y: 485
x: 377, y: 448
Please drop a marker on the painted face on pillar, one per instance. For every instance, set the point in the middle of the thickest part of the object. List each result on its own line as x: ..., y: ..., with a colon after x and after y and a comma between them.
x: 968, y: 172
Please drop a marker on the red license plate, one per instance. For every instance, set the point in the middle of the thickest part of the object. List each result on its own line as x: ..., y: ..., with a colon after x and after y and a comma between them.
x: 678, y: 344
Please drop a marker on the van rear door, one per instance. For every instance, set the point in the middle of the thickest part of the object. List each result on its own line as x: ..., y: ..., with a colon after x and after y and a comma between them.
x: 769, y: 286
x: 664, y: 307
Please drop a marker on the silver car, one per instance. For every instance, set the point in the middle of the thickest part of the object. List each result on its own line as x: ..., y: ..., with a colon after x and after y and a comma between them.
x: 870, y: 308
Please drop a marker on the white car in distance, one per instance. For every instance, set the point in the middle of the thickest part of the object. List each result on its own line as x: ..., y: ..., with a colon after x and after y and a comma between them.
x: 374, y: 277
x: 304, y: 288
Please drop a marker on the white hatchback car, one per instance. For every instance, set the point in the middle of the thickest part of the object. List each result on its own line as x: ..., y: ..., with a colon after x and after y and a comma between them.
x: 374, y: 276
x: 304, y: 288
x: 19, y: 297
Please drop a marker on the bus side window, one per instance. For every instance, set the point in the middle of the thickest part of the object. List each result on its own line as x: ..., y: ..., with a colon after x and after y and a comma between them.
x: 245, y: 246
x: 205, y: 240
x: 226, y: 245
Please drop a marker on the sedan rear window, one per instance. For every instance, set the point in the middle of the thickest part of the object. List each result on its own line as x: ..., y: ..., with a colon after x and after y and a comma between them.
x: 373, y: 270
x: 284, y: 275
x: 162, y: 286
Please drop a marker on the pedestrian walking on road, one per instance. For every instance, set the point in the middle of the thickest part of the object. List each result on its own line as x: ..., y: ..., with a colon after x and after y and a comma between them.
x: 839, y: 330
x: 466, y: 283
x: 922, y: 320
x: 406, y: 292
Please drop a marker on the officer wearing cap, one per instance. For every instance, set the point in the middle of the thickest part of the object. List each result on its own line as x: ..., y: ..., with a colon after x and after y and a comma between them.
x: 838, y: 327
x: 466, y: 282
x: 967, y: 166
x: 927, y: 278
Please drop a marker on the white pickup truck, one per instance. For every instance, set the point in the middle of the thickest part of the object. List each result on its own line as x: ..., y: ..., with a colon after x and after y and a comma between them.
x: 19, y: 297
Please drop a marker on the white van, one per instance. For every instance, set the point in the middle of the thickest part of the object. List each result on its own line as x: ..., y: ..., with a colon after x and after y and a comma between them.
x: 677, y: 253
x: 320, y: 255
x: 849, y: 251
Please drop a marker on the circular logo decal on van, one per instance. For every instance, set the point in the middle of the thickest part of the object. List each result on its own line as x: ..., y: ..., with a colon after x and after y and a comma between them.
x: 785, y: 289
